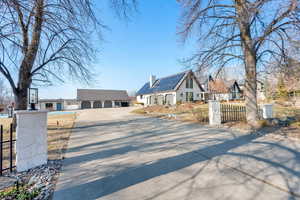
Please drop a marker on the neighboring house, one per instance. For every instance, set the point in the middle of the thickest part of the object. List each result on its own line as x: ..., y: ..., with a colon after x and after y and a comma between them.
x: 96, y: 98
x: 223, y: 90
x: 51, y: 104
x: 181, y: 87
x: 58, y: 104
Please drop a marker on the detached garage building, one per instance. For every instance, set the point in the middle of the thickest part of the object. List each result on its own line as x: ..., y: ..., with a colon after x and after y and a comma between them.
x: 95, y: 98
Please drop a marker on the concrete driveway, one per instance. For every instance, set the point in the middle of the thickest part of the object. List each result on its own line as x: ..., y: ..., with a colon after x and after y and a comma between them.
x: 116, y: 155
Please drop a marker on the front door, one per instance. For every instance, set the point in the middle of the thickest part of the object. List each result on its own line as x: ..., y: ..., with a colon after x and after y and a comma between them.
x: 58, y: 106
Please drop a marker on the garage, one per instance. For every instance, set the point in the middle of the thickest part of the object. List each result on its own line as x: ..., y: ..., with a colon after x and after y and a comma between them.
x: 169, y: 99
x: 107, y: 104
x: 124, y: 104
x: 101, y: 98
x: 85, y: 104
x: 97, y: 104
x: 160, y: 99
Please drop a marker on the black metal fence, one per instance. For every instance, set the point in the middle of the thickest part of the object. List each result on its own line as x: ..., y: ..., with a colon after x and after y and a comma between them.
x: 7, y: 153
x: 231, y: 113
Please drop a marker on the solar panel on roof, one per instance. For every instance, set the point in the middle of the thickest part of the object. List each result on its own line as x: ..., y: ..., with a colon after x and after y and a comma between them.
x: 163, y: 84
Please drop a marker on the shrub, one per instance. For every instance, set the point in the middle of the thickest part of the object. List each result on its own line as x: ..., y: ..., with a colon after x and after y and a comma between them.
x: 263, y: 123
x: 21, y: 193
x: 179, y: 102
x: 139, y: 111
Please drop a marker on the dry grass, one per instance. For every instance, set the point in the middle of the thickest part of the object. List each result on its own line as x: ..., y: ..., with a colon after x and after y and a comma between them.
x: 6, y: 123
x: 178, y: 109
x: 59, y: 130
x: 193, y: 112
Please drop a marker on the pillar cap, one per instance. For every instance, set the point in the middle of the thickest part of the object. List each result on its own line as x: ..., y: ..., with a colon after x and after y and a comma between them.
x: 18, y: 112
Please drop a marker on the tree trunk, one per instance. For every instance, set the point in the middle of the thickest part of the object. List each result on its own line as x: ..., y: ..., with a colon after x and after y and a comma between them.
x: 21, y: 100
x: 244, y: 21
x: 21, y: 96
x: 251, y: 89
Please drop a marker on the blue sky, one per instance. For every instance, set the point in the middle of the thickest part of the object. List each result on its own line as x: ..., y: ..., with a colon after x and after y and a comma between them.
x: 148, y: 44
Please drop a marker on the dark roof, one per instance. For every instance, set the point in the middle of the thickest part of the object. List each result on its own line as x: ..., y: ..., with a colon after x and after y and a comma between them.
x: 163, y: 84
x: 102, y: 95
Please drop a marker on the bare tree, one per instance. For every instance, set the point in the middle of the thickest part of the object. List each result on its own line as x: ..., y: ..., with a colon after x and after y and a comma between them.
x: 240, y: 32
x: 3, y: 92
x: 46, y: 40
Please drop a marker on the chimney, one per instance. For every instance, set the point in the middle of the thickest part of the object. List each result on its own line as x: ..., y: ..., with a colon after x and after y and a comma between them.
x: 152, y: 80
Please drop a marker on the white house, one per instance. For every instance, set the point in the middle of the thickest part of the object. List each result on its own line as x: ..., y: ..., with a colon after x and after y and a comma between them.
x: 181, y: 87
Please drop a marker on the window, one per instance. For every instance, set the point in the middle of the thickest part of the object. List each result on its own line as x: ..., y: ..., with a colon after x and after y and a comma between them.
x: 49, y: 105
x: 189, y: 82
x: 141, y: 96
x: 189, y: 96
x: 234, y: 95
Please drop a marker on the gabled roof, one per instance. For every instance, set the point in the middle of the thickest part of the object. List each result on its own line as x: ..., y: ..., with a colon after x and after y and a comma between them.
x: 222, y: 86
x: 101, y: 95
x: 163, y: 84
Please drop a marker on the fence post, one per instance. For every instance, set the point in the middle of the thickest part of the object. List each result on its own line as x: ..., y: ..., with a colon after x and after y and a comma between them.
x: 11, y: 148
x: 31, y: 139
x: 214, y: 112
x: 267, y: 111
x: 1, y: 149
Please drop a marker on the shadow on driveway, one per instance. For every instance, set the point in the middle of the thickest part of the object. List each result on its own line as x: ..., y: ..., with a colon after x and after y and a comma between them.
x: 211, y: 148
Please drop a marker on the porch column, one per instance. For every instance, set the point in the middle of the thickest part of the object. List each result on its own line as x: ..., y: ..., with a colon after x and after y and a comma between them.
x: 92, y: 104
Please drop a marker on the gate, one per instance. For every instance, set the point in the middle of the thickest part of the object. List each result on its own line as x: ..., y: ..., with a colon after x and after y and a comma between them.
x: 231, y: 113
x: 7, y: 154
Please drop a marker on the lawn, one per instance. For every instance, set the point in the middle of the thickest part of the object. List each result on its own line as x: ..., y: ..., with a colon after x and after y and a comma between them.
x: 198, y: 112
x: 59, y: 129
x: 185, y: 111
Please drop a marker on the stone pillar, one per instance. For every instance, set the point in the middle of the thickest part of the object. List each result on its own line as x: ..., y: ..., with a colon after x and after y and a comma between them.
x: 31, y: 136
x: 102, y: 104
x: 113, y: 104
x: 267, y: 111
x: 214, y: 112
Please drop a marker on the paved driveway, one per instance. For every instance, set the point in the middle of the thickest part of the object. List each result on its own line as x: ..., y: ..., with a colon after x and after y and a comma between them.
x: 119, y: 156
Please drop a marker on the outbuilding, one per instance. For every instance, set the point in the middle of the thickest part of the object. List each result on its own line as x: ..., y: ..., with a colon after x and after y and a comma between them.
x: 98, y: 98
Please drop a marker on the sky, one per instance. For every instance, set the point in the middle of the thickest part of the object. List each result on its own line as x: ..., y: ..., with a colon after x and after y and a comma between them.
x: 131, y: 51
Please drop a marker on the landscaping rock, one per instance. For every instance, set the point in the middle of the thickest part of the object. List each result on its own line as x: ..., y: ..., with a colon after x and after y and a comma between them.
x: 41, y: 178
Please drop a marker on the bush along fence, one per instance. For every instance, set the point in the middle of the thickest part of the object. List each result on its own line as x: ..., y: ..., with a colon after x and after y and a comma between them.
x: 7, y: 153
x: 201, y: 115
